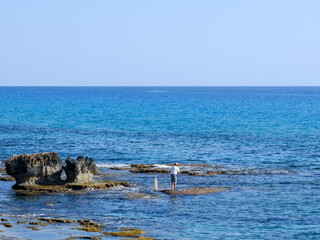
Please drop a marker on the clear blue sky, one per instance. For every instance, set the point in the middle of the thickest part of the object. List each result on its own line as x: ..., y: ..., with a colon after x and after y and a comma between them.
x: 160, y: 43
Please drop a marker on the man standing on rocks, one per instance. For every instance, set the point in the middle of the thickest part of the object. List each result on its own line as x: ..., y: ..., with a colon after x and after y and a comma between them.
x: 174, y: 171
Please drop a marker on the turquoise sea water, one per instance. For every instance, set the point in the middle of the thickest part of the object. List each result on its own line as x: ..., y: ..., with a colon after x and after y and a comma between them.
x: 271, y: 140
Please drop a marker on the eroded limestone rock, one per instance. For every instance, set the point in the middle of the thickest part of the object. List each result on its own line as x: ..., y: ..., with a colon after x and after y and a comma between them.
x: 38, y: 168
x: 80, y: 170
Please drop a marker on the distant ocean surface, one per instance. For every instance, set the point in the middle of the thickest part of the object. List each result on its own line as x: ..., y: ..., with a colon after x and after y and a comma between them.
x: 270, y: 137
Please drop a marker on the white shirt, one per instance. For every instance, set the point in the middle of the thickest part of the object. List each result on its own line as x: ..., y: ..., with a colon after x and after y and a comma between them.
x: 175, y: 170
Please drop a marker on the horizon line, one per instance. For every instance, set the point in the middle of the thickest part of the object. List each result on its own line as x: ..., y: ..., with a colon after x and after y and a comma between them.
x: 155, y: 86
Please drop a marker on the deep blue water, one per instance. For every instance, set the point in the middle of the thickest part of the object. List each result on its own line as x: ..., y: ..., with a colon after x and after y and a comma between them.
x: 270, y: 136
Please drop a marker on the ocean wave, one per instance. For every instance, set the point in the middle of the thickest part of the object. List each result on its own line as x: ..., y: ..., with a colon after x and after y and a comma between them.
x: 113, y: 165
x: 161, y: 166
x: 258, y: 171
x: 27, y: 216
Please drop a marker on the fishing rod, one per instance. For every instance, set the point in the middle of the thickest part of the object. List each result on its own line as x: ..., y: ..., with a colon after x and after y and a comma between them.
x: 208, y: 138
x: 204, y: 143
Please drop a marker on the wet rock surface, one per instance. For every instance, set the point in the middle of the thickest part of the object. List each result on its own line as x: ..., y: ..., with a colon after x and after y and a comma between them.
x: 93, y: 229
x: 72, y: 188
x: 80, y: 170
x: 37, y: 168
x: 201, y: 169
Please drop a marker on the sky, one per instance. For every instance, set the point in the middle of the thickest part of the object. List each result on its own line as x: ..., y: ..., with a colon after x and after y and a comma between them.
x: 160, y: 43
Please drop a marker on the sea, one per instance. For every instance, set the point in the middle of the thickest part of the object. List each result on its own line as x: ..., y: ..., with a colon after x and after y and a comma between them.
x: 269, y: 137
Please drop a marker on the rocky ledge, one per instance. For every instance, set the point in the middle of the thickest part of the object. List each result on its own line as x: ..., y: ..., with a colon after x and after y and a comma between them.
x: 153, y: 169
x: 41, y: 173
x: 68, y: 187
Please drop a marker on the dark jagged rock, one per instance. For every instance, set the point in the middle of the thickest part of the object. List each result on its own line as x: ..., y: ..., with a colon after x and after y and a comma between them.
x: 80, y: 170
x: 38, y: 168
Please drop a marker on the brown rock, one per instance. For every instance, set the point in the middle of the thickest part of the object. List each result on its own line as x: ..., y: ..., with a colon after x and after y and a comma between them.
x: 9, y: 225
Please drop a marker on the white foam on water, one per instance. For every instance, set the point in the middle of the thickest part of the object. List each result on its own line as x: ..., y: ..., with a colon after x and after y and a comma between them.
x: 117, y: 188
x: 258, y: 171
x: 161, y: 166
x: 113, y: 165
x: 30, y: 215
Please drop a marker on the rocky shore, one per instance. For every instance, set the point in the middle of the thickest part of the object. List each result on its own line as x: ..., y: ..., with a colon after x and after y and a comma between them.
x: 91, y: 229
x: 46, y: 173
x: 41, y: 173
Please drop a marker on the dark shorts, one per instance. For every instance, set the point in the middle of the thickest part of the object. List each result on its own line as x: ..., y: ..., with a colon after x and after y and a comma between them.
x: 174, y: 178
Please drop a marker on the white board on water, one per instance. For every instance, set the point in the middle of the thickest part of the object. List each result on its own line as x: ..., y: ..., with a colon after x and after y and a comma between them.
x: 155, y: 184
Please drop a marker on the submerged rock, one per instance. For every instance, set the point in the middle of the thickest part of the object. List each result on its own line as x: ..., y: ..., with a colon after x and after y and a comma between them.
x: 195, y: 191
x: 80, y: 170
x: 38, y: 168
x: 35, y: 228
x: 139, y: 195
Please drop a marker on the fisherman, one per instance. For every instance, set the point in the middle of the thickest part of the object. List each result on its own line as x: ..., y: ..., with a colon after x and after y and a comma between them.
x: 174, y: 171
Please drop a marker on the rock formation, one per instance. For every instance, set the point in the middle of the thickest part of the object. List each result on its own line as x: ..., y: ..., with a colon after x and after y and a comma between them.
x: 80, y: 170
x: 38, y: 168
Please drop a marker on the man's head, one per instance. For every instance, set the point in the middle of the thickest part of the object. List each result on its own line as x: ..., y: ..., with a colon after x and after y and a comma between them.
x: 176, y: 164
